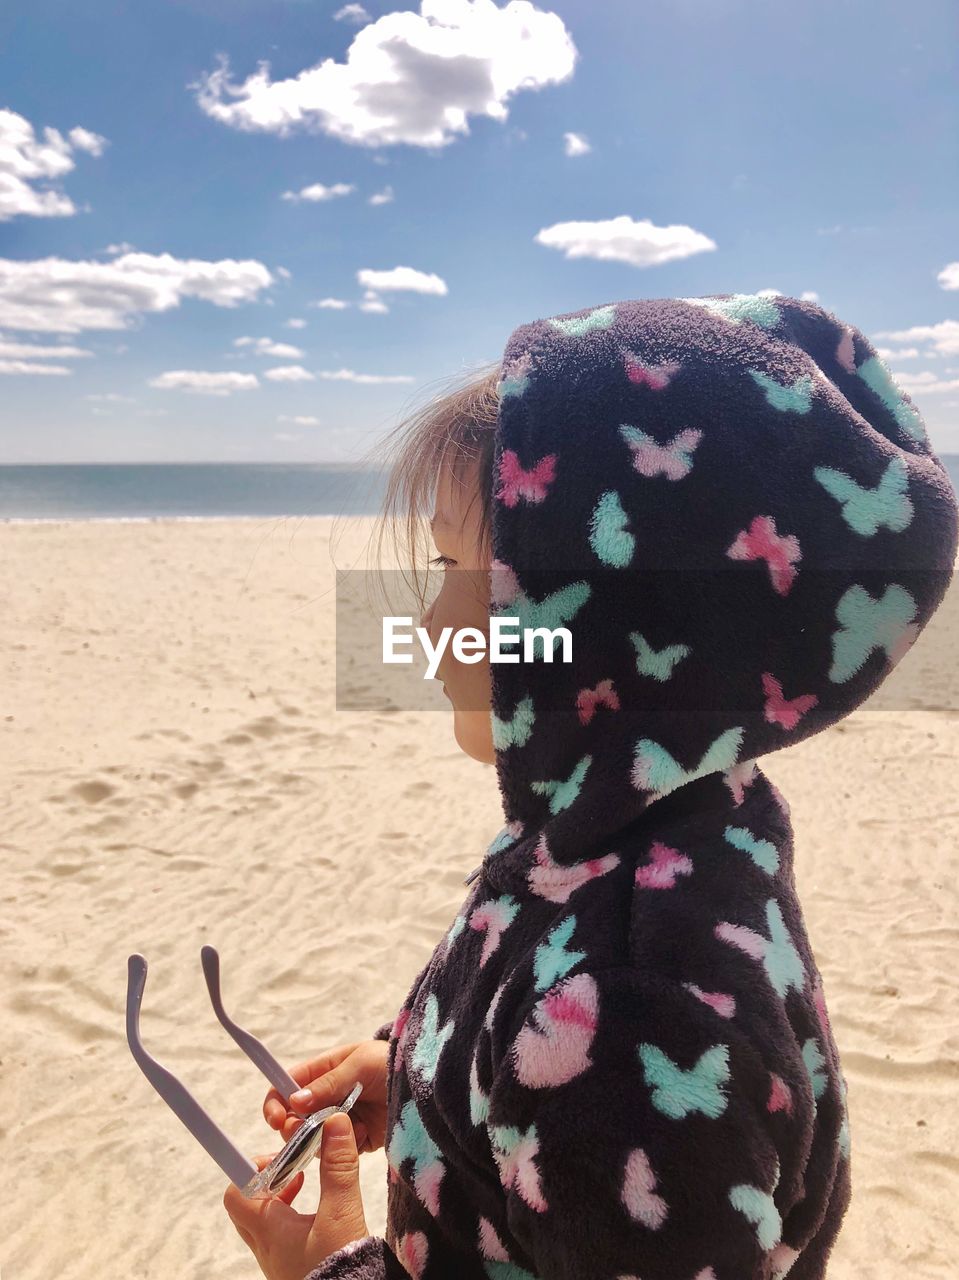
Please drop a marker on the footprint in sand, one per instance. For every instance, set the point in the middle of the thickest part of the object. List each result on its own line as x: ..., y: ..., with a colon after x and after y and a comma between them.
x: 93, y: 791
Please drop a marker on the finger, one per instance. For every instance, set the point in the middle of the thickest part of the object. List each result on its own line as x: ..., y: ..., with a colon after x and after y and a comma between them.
x: 291, y: 1190
x: 245, y: 1237
x: 325, y: 1090
x: 248, y: 1213
x: 290, y: 1127
x: 309, y: 1070
x: 274, y: 1109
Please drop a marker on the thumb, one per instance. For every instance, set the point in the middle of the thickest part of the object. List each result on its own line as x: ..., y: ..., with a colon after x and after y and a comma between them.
x: 339, y: 1163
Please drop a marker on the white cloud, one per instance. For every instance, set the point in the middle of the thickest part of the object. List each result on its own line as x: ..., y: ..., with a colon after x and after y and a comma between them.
x: 57, y: 295
x: 408, y: 78
x: 809, y: 295
x: 24, y: 366
x: 351, y: 13
x: 331, y: 304
x: 948, y: 277
x: 319, y: 192
x: 640, y: 244
x: 124, y: 247
x: 84, y: 140
x: 267, y: 347
x: 382, y: 197
x: 402, y: 278
x: 295, y: 324
x: 944, y: 336
x: 925, y: 382
x: 24, y: 160
x: 299, y: 420
x: 285, y: 438
x: 576, y: 144
x: 30, y: 350
x: 112, y: 398
x: 213, y: 384
x: 347, y: 375
x: 374, y: 305
x: 887, y: 353
x: 290, y: 373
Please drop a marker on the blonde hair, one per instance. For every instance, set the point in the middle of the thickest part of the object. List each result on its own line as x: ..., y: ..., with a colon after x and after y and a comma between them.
x: 456, y: 427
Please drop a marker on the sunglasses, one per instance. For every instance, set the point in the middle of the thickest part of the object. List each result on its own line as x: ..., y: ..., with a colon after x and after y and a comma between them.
x: 242, y: 1172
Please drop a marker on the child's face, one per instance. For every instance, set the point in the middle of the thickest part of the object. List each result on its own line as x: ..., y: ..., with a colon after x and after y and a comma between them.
x: 463, y: 601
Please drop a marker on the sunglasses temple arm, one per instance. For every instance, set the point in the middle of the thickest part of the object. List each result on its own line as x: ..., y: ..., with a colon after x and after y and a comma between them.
x: 257, y: 1052
x: 178, y: 1098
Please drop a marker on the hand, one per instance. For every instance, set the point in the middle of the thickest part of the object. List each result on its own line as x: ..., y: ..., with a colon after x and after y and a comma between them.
x: 288, y: 1245
x: 329, y: 1078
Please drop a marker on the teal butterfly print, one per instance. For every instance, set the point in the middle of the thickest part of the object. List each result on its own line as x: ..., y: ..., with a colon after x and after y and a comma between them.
x: 678, y: 1093
x: 867, y: 510
x: 795, y: 397
x: 657, y: 663
x: 516, y: 731
x: 580, y: 326
x: 608, y: 533
x: 562, y: 793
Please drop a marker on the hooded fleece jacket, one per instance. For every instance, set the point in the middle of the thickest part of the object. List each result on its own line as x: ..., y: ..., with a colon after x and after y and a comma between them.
x: 618, y: 1064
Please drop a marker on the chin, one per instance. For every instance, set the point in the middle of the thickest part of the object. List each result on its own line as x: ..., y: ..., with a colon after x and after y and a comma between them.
x: 476, y: 745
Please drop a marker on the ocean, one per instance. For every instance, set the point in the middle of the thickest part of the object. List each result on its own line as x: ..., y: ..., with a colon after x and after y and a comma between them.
x: 201, y: 491
x: 187, y: 491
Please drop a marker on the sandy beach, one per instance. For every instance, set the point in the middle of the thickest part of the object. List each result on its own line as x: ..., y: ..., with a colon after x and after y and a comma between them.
x: 175, y: 772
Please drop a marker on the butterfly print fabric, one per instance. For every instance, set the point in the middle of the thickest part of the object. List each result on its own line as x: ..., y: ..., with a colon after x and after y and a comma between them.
x: 618, y: 1062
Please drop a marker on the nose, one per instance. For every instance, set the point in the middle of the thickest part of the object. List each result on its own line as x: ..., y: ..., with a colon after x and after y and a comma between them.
x: 426, y: 618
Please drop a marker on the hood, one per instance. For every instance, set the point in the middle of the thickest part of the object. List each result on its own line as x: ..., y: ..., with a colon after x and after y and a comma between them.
x: 738, y: 517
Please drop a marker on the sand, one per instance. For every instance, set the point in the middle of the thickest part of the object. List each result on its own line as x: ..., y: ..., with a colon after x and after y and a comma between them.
x: 175, y: 772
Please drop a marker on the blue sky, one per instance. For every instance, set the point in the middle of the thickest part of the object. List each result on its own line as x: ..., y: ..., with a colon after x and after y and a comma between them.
x: 263, y: 230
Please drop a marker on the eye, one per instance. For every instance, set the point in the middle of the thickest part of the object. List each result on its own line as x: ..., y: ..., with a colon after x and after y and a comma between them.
x: 442, y: 561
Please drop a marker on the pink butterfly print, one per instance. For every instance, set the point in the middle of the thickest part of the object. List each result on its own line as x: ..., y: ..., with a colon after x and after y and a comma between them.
x: 724, y: 1004
x: 494, y: 917
x: 762, y: 542
x: 662, y: 871
x: 555, y: 882
x: 819, y: 1000
x: 399, y: 1027
x: 426, y: 1183
x: 783, y: 711
x: 638, y: 1196
x: 518, y: 1167
x: 516, y: 483
x: 587, y: 700
x: 504, y: 585
x: 846, y: 352
x: 782, y: 1256
x: 904, y: 643
x: 780, y: 1095
x: 413, y: 1251
x: 655, y: 376
x: 739, y: 777
x: 491, y: 1246
x: 556, y: 1049
x: 671, y: 459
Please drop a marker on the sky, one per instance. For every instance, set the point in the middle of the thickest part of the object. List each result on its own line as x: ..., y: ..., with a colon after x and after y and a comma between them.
x: 269, y: 230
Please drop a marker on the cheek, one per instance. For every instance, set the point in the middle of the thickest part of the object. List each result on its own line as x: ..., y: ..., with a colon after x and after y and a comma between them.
x: 474, y: 734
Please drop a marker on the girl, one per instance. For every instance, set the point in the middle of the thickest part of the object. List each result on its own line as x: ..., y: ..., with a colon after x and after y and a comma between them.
x: 618, y: 1062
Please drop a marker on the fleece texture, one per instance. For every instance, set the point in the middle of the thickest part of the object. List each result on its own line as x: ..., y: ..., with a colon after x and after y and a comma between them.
x: 618, y: 1062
